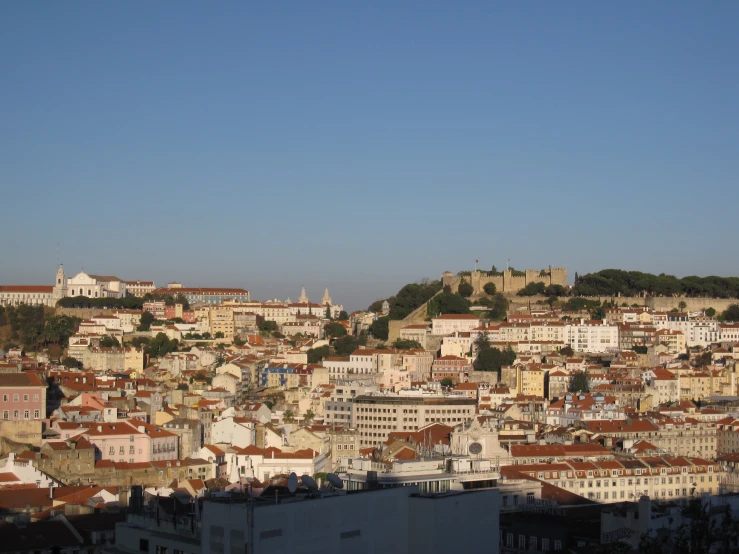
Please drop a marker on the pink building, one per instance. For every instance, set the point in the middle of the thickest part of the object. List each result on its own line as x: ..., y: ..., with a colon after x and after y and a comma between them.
x: 131, y: 441
x: 22, y: 396
x: 450, y: 366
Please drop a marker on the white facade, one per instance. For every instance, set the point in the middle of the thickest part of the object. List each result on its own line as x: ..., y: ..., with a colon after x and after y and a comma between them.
x: 95, y: 286
x: 236, y: 433
x: 451, y: 323
x: 592, y: 336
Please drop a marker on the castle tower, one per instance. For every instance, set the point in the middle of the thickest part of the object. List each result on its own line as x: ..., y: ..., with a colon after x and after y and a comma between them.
x: 326, y: 300
x: 303, y: 297
x: 60, y: 286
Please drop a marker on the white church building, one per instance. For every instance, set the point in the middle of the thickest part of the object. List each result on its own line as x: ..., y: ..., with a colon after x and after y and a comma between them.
x: 82, y: 284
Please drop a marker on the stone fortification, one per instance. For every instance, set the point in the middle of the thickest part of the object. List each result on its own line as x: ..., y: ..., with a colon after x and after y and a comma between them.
x: 506, y: 281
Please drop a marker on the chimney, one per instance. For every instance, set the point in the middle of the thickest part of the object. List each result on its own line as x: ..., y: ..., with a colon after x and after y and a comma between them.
x: 51, y: 489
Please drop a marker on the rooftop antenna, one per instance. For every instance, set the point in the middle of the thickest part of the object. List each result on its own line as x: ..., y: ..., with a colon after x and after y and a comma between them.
x: 507, y: 263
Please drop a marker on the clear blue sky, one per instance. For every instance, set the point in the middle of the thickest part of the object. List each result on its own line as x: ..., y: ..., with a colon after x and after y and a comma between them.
x: 364, y: 145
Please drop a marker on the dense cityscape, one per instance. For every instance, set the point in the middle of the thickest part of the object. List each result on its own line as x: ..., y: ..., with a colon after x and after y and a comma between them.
x: 197, y: 419
x: 378, y: 277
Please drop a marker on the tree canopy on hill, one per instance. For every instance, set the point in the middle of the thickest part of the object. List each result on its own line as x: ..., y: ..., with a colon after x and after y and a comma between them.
x: 127, y: 303
x: 410, y: 297
x: 614, y: 282
x: 448, y: 303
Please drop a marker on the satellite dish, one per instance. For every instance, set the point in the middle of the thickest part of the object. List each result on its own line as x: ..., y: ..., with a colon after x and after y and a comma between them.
x: 309, y: 482
x: 475, y: 448
x: 335, y: 481
x: 292, y: 482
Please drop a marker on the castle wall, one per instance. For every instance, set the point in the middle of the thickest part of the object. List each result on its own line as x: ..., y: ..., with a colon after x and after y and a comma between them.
x: 507, y: 282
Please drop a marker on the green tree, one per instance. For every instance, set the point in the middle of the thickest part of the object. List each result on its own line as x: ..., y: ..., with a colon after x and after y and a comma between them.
x: 343, y: 316
x: 567, y: 351
x: 266, y: 326
x: 54, y: 351
x: 579, y: 382
x: 238, y: 341
x: 288, y: 416
x: 220, y: 335
x: 72, y: 363
x: 710, y: 312
x: 136, y: 342
x: 316, y: 355
x: 344, y: 346
x: 334, y: 329
x: 731, y: 313
x: 532, y: 289
x: 308, y: 416
x: 58, y: 329
x: 555, y: 290
x: 160, y: 346
x: 109, y: 342
x: 490, y: 289
x: 447, y: 382
x: 147, y: 318
x: 682, y: 305
x: 448, y: 303
x: 380, y: 327
x: 704, y: 359
x: 499, y: 308
x: 493, y: 359
x: 180, y: 299
x: 465, y: 289
x: 405, y: 344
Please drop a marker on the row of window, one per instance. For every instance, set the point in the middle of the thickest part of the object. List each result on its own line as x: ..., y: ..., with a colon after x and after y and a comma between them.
x: 26, y: 414
x: 533, y: 543
x: 16, y: 398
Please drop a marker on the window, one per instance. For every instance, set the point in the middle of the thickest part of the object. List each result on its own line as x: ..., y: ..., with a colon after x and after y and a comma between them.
x: 25, y: 398
x: 522, y: 541
x: 161, y: 549
x: 6, y: 414
x: 112, y: 450
x: 532, y: 543
x: 544, y: 545
x: 26, y: 414
x: 15, y: 398
x: 5, y: 397
x: 36, y: 414
x: 557, y: 545
x: 143, y: 545
x: 509, y: 540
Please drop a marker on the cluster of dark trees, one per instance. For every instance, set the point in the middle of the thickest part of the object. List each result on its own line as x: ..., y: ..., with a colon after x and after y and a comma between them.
x: 614, y: 282
x: 410, y: 297
x: 533, y: 289
x: 33, y: 329
x: 448, y: 302
x: 342, y: 346
x: 490, y: 358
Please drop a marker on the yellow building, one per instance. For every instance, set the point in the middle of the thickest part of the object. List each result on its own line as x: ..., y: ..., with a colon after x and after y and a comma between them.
x: 673, y: 340
x: 221, y: 320
x: 695, y: 386
x: 531, y: 381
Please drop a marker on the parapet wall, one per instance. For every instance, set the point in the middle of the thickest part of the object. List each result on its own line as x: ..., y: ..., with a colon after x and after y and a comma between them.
x: 83, y: 313
x: 507, y: 281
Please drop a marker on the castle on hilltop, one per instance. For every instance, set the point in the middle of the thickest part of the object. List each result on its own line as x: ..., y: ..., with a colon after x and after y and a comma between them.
x: 507, y: 280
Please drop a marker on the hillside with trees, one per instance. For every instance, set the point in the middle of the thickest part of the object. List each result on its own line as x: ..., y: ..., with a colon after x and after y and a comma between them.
x: 409, y: 298
x: 615, y: 282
